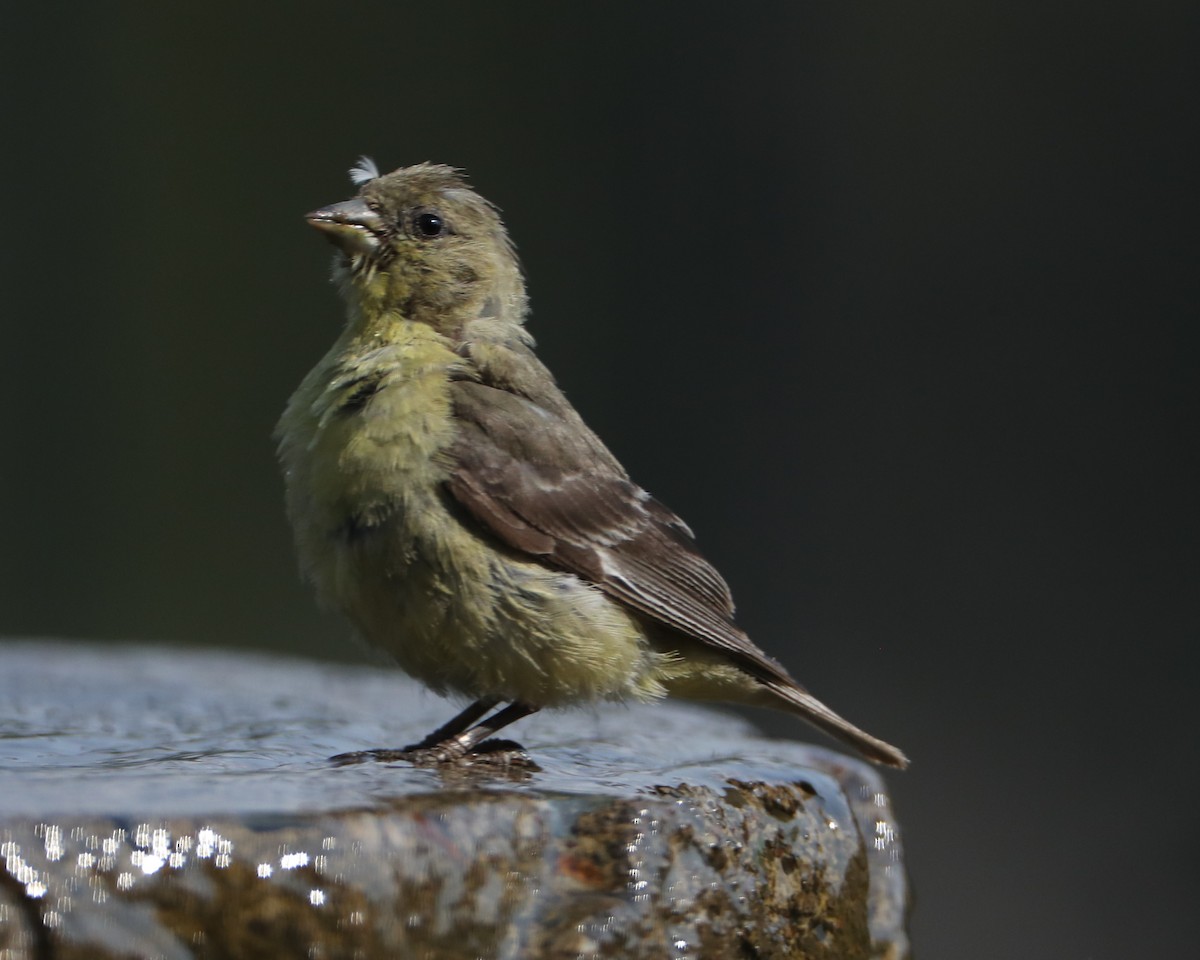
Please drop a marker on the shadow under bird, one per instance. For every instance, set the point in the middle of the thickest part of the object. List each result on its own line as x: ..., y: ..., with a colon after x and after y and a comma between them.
x: 449, y: 500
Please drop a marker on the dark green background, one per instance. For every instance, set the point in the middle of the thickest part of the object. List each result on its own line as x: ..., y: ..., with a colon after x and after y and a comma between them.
x: 895, y: 303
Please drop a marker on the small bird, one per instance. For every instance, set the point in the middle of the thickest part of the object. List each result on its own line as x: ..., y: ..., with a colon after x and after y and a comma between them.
x: 449, y: 500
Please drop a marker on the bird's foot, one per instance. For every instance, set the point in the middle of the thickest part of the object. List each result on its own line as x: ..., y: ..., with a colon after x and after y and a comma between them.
x: 499, y: 754
x: 369, y: 756
x: 493, y: 754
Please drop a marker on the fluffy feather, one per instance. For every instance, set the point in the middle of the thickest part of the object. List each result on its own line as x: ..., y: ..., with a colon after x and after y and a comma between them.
x: 363, y: 171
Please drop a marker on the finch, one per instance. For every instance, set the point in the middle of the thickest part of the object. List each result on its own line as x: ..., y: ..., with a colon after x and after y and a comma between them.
x: 448, y: 499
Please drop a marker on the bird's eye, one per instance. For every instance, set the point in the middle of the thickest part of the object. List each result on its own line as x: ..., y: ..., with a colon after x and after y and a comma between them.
x: 430, y: 225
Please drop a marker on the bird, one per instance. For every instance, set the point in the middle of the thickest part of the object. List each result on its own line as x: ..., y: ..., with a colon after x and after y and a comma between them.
x: 448, y: 499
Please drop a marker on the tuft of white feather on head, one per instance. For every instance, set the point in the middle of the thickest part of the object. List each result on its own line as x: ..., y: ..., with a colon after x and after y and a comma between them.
x: 363, y: 171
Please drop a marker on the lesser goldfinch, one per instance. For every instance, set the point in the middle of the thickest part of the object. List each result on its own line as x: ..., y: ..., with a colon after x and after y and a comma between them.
x: 449, y: 500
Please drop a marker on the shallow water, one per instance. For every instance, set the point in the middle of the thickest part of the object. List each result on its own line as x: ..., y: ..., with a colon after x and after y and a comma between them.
x: 166, y: 731
x: 152, y: 796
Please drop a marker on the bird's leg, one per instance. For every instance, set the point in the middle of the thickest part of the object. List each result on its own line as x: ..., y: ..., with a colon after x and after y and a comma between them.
x: 460, y: 744
x: 456, y: 725
x: 454, y: 739
x: 446, y: 731
x: 481, y: 731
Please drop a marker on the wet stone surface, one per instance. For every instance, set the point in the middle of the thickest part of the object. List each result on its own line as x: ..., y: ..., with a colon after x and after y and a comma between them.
x: 179, y: 804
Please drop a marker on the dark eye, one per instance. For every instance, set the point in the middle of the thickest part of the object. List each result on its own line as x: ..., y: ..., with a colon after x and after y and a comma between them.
x: 430, y: 225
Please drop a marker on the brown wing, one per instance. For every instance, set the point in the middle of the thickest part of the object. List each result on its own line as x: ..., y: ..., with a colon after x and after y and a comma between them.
x: 527, y: 467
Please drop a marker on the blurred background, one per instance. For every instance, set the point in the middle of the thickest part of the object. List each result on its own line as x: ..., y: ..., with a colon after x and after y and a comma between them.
x: 895, y: 303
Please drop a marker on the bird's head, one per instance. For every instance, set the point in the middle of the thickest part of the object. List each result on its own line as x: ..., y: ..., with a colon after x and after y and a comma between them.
x: 419, y: 244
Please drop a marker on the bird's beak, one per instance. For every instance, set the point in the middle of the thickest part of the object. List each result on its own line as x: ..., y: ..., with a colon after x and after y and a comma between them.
x: 350, y: 225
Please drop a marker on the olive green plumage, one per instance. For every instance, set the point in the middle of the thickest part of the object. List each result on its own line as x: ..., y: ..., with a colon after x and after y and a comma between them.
x: 449, y: 500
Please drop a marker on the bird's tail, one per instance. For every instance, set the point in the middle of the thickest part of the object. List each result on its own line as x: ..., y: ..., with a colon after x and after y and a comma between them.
x: 802, y: 703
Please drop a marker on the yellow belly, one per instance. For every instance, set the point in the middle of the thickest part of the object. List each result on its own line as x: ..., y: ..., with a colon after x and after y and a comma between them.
x: 376, y: 536
x: 459, y: 615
